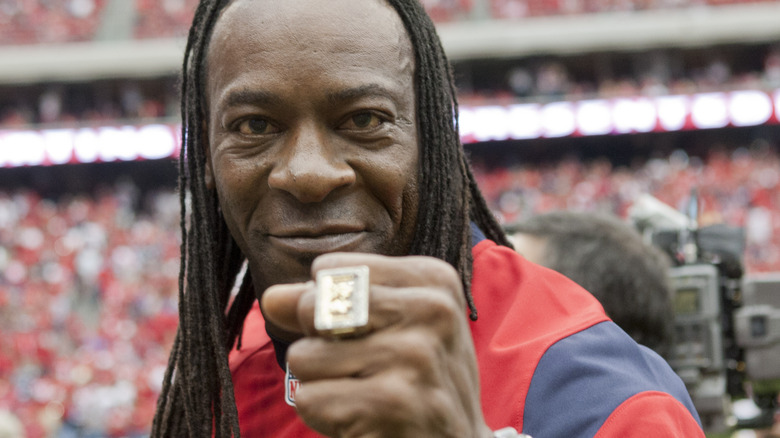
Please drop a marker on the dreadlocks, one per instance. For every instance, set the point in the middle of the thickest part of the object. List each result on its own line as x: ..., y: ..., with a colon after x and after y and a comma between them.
x: 197, y: 397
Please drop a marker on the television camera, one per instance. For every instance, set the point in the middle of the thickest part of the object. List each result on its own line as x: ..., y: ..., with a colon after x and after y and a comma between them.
x: 727, y: 324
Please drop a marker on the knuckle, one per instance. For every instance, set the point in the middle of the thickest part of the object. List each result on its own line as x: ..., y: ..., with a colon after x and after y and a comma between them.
x: 442, y: 275
x: 301, y: 354
x: 393, y: 392
x: 442, y: 313
x: 419, y: 349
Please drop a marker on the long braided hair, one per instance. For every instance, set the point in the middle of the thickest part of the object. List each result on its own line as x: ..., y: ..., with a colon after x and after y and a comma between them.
x: 197, y: 397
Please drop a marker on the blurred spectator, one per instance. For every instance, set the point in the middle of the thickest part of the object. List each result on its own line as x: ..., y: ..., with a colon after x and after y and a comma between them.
x: 740, y: 188
x: 164, y: 18
x: 48, y: 22
x: 447, y: 10
x: 552, y: 81
x: 50, y: 106
x: 518, y: 9
x: 609, y: 258
x: 88, y: 283
x: 25, y: 22
x: 521, y: 82
x: 772, y: 68
x: 88, y: 286
x: 104, y: 102
x: 10, y: 426
x: 129, y: 100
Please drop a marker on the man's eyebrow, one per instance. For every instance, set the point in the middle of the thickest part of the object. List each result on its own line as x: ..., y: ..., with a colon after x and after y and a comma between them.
x: 249, y: 97
x: 358, y: 92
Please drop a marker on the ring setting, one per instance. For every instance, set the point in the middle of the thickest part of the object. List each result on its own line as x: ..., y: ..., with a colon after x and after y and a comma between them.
x: 341, y: 306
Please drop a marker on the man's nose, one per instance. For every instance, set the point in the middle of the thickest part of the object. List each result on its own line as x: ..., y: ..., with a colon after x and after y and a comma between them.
x: 311, y: 166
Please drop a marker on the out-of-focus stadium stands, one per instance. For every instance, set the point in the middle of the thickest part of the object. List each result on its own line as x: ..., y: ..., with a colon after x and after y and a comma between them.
x: 76, y: 104
x: 738, y: 187
x: 88, y: 275
x: 517, y: 9
x: 163, y: 19
x: 51, y: 22
x: 88, y: 291
x: 88, y: 302
x: 48, y: 22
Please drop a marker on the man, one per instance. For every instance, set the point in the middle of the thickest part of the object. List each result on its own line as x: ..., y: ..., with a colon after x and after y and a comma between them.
x: 609, y: 259
x: 320, y: 134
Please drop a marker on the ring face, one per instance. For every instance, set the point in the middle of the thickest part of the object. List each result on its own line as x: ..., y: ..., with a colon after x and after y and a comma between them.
x: 341, y: 306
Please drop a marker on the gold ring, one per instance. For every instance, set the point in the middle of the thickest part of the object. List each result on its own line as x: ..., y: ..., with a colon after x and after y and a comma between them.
x: 341, y: 306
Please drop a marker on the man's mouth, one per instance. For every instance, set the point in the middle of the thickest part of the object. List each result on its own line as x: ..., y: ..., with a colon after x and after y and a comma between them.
x: 318, y: 242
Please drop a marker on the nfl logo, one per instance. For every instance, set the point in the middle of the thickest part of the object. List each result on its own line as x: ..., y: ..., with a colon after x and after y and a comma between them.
x: 291, y: 384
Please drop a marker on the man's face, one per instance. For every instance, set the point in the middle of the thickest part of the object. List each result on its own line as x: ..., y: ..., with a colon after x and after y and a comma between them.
x: 312, y: 131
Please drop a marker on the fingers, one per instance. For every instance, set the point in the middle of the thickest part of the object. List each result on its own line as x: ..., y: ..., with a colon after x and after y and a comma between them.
x: 364, y: 357
x: 412, y: 373
x: 345, y: 408
x: 378, y: 406
x: 400, y: 287
x: 280, y: 305
x: 396, y: 271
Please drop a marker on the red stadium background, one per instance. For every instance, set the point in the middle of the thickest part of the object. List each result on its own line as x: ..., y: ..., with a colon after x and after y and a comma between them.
x: 565, y: 104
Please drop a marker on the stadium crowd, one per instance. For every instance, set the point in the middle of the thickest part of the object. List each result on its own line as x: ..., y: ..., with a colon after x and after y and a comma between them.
x: 520, y: 9
x: 88, y: 304
x: 88, y: 283
x: 738, y: 187
x: 117, y: 100
x: 106, y: 102
x: 163, y: 18
x: 24, y: 22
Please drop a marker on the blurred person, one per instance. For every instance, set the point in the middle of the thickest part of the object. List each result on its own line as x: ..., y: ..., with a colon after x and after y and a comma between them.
x: 322, y: 135
x: 131, y: 100
x: 521, y: 82
x: 610, y: 259
x: 552, y: 80
x: 10, y: 425
x: 81, y: 8
x: 50, y: 106
x: 771, y: 74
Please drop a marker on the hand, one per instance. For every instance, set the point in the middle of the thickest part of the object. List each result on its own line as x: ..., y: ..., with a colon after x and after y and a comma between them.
x: 413, y: 374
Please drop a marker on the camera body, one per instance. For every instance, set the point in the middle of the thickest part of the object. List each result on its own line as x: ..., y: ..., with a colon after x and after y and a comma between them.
x: 701, y: 356
x: 727, y: 327
x: 758, y: 327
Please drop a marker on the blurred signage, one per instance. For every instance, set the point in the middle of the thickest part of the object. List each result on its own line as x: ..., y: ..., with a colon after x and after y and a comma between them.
x: 88, y: 145
x: 477, y: 124
x: 619, y: 116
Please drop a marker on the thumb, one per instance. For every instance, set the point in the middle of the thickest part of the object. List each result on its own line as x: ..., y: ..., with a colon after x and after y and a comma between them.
x: 279, y: 304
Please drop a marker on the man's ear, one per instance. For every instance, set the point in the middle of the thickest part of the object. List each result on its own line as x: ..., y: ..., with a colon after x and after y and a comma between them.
x: 209, y: 169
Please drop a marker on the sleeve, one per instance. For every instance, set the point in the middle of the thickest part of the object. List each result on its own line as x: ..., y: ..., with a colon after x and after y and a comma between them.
x: 553, y: 365
x: 650, y: 411
x: 600, y: 383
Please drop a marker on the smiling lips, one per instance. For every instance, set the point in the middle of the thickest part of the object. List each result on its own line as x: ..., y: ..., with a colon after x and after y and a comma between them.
x: 319, y: 242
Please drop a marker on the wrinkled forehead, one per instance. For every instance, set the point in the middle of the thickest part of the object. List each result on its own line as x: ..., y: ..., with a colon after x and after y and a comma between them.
x: 306, y: 35
x: 346, y: 25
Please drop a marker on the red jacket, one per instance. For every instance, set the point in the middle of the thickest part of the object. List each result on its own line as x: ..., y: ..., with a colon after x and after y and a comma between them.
x: 551, y: 364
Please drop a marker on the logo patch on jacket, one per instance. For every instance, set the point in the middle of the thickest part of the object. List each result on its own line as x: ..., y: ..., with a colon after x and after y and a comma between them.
x: 291, y: 384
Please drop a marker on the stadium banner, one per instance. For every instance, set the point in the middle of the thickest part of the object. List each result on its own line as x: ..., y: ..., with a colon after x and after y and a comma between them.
x: 89, y: 144
x: 628, y: 115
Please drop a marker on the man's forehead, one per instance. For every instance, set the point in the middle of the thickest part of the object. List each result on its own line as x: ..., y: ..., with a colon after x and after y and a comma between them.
x: 343, y: 18
x: 251, y: 35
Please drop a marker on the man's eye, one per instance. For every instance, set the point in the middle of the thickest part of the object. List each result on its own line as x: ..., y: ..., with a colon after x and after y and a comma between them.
x: 365, y: 120
x: 255, y: 127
